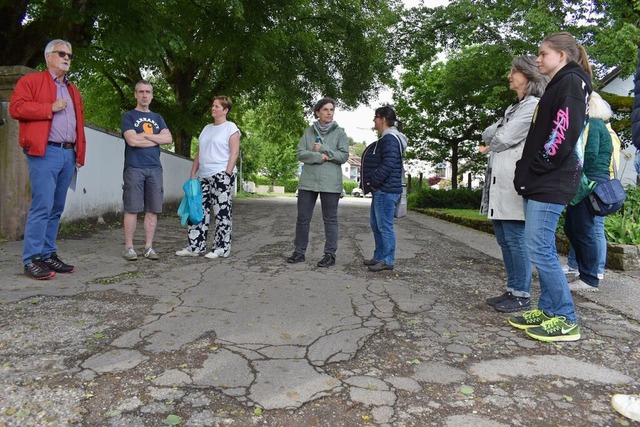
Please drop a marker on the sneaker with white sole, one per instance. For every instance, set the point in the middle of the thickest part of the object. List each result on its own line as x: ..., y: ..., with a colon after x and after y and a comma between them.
x: 129, y: 254
x: 216, y: 253
x: 627, y: 405
x: 570, y: 270
x: 187, y: 252
x: 149, y: 253
x: 554, y: 330
x: 580, y: 286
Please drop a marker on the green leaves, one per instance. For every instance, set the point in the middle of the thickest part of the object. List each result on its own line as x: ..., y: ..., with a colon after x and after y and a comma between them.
x: 172, y: 420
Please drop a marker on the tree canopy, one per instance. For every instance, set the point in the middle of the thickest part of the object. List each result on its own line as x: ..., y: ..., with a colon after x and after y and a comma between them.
x: 456, y: 59
x: 274, y: 57
x: 293, y: 50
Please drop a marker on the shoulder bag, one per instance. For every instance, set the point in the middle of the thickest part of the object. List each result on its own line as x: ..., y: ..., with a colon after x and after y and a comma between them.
x: 401, y: 207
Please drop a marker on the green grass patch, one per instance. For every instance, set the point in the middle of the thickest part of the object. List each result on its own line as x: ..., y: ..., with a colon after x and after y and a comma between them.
x: 465, y: 217
x: 464, y: 213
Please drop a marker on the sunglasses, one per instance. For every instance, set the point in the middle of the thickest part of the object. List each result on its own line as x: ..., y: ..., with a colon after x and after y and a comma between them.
x: 62, y: 54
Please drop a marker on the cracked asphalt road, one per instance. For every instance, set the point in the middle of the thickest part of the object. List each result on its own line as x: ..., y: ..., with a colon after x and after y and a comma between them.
x: 252, y: 340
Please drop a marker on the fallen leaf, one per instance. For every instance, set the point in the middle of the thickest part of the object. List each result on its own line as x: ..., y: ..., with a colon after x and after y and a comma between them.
x: 465, y: 389
x: 172, y: 420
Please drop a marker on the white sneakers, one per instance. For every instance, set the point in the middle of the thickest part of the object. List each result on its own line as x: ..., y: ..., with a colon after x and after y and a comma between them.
x: 570, y: 270
x: 218, y: 253
x: 574, y: 271
x: 580, y: 286
x: 187, y: 252
x: 627, y: 404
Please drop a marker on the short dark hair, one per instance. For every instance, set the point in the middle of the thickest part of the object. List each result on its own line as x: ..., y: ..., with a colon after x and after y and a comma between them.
x: 389, y: 115
x: 322, y: 102
x: 143, y: 82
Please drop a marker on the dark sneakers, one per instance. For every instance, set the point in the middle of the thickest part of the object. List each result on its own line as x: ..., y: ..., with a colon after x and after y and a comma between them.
x: 369, y: 262
x: 37, y: 269
x: 56, y: 264
x: 296, y: 257
x: 380, y: 266
x: 495, y: 300
x: 327, y: 260
x: 513, y: 303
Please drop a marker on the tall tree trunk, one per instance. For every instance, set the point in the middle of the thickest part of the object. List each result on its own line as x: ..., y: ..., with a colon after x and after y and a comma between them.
x: 454, y: 166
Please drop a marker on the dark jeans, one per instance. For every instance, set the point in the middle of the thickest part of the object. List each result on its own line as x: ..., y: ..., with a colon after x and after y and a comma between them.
x: 306, y: 204
x: 582, y: 230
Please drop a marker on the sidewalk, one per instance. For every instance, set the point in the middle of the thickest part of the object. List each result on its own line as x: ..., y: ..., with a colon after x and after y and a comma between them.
x: 252, y: 340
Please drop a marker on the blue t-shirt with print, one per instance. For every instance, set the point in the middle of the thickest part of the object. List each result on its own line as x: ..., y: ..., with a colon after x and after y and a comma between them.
x: 141, y: 122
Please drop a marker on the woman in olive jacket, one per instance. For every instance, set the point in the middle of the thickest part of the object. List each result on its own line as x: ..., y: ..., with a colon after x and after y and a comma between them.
x: 322, y: 149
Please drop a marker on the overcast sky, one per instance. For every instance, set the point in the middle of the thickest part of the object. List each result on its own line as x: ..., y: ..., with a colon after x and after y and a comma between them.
x: 359, y: 123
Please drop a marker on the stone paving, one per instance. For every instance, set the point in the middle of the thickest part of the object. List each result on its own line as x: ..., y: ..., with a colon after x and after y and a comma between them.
x: 252, y: 340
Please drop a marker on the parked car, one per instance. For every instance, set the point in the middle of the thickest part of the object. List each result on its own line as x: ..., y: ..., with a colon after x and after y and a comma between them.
x: 357, y: 192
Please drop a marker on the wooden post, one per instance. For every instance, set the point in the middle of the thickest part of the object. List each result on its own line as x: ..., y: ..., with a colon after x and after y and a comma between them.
x: 15, y: 191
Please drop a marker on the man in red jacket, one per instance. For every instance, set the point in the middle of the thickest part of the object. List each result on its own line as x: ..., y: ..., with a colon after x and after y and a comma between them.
x: 49, y: 109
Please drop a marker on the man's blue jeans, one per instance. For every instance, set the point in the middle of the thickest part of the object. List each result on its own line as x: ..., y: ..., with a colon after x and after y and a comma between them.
x: 50, y: 177
x: 541, y: 220
x: 510, y: 237
x: 383, y: 207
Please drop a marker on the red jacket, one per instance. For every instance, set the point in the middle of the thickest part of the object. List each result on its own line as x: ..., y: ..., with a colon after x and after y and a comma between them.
x: 31, y: 104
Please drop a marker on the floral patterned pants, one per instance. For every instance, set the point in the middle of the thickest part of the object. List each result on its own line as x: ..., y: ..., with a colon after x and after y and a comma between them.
x: 216, y: 197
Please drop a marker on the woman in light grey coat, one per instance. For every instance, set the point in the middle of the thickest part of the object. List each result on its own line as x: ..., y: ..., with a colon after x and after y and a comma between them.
x: 504, y: 141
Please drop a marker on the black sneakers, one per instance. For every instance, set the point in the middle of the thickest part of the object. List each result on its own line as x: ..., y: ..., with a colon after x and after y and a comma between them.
x: 296, y: 257
x: 37, y: 269
x: 327, y: 260
x: 495, y: 300
x: 369, y: 262
x: 513, y: 303
x: 55, y: 264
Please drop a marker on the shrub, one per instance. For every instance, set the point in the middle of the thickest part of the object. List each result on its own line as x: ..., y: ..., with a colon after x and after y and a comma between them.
x: 461, y: 198
x: 624, y: 226
x: 349, y: 185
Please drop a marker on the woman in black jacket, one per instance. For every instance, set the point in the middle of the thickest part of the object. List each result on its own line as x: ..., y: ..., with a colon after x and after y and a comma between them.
x: 547, y: 178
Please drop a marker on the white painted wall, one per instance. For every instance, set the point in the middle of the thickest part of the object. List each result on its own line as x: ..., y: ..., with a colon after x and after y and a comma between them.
x: 627, y: 172
x: 99, y: 184
x: 618, y: 86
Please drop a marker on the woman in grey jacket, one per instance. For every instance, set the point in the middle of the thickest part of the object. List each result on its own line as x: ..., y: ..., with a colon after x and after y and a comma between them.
x: 504, y: 142
x: 322, y: 149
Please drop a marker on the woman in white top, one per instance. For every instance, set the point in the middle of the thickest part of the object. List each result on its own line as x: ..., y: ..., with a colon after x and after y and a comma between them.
x: 215, y: 166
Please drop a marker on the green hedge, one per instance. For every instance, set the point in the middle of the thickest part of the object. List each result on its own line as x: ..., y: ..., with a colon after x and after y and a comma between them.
x: 462, y: 198
x: 349, y: 186
x: 291, y: 185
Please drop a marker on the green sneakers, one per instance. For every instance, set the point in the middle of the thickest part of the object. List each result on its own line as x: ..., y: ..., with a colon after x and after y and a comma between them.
x: 541, y: 327
x: 529, y: 319
x: 556, y: 329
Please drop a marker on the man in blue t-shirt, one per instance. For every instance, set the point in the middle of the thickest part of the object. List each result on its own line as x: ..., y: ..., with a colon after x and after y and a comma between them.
x: 143, y: 131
